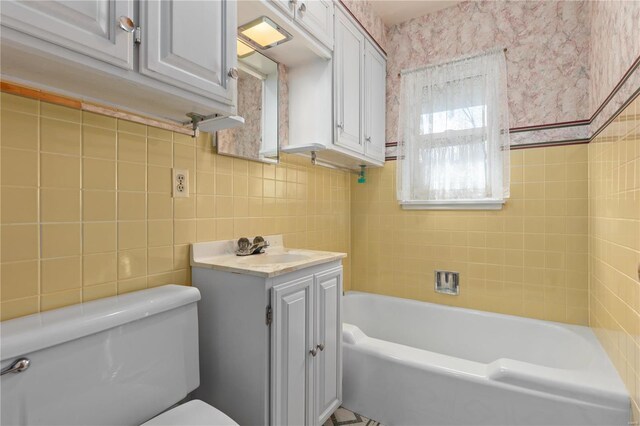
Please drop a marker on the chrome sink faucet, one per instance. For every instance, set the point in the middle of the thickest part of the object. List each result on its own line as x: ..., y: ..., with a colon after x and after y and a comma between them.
x: 245, y: 248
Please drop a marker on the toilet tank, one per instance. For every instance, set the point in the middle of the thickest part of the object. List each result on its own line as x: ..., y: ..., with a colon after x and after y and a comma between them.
x: 114, y: 361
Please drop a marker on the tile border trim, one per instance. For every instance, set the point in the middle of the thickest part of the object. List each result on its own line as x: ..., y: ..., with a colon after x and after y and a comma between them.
x: 54, y: 98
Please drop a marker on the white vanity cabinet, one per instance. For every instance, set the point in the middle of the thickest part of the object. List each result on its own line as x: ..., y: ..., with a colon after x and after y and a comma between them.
x: 176, y: 58
x: 306, y: 354
x: 270, y: 335
x: 328, y: 336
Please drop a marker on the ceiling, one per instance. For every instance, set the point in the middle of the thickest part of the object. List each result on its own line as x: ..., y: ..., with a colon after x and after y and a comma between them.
x: 395, y: 11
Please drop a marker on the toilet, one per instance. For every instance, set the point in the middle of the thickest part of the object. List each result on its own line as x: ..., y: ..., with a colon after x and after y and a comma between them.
x: 192, y: 413
x: 122, y: 360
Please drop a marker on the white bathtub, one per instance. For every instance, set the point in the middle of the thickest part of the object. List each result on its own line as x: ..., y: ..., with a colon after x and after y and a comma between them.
x: 416, y: 363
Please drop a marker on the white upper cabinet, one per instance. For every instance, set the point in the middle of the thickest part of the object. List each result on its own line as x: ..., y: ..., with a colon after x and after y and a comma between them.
x: 186, y: 44
x: 375, y: 77
x: 359, y: 81
x: 316, y: 16
x: 287, y: 6
x: 348, y: 60
x: 88, y: 27
x: 346, y: 125
x: 171, y: 58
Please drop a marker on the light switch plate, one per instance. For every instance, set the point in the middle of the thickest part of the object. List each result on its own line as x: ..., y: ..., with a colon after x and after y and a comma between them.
x: 180, y: 183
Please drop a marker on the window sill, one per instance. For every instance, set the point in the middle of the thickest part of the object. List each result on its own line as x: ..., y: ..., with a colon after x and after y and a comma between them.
x: 453, y: 205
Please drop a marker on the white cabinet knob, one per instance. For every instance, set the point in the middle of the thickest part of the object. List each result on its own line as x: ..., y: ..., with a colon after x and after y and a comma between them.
x: 233, y: 73
x: 302, y: 9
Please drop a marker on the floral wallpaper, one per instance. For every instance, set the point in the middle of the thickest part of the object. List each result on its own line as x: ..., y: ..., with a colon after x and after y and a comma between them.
x: 364, y: 13
x: 245, y: 141
x: 615, y: 45
x: 563, y: 58
x: 547, y: 57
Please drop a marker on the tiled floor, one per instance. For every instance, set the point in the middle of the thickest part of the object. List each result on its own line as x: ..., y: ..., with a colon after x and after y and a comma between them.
x: 342, y: 416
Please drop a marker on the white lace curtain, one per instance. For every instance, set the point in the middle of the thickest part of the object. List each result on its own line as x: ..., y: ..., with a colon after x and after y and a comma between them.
x: 454, y: 133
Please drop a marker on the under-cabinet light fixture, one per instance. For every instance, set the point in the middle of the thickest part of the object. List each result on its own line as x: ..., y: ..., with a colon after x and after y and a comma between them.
x: 263, y: 33
x: 244, y: 49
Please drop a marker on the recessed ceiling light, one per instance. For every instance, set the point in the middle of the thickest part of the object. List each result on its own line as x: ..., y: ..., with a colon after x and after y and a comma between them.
x: 263, y: 33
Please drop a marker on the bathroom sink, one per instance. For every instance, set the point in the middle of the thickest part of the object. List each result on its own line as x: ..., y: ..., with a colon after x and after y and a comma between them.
x: 275, y: 261
x: 270, y: 259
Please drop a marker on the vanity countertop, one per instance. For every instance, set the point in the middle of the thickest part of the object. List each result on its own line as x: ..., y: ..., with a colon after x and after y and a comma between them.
x: 276, y: 260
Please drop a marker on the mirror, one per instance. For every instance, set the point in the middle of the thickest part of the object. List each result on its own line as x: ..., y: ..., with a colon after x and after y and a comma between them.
x: 258, y: 88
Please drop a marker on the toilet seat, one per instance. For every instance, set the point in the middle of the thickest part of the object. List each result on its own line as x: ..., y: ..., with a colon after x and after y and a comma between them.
x: 192, y: 413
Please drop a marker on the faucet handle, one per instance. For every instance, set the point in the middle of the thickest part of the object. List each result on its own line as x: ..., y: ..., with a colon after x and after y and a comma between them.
x: 243, y: 244
x: 261, y: 241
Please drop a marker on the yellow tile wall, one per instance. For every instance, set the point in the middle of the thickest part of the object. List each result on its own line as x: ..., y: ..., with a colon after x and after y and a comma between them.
x: 86, y: 208
x: 528, y: 259
x: 614, y: 245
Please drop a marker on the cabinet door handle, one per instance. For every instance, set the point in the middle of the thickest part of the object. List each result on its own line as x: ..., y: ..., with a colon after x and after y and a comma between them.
x: 313, y: 352
x: 339, y: 125
x: 302, y: 9
x: 126, y: 24
x: 368, y: 138
x: 321, y: 346
x: 233, y: 73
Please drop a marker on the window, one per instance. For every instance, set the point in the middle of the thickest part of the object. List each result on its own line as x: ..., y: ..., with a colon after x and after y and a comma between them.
x: 454, y: 149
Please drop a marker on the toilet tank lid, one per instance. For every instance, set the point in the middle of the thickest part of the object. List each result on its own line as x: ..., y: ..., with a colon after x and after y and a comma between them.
x: 31, y: 333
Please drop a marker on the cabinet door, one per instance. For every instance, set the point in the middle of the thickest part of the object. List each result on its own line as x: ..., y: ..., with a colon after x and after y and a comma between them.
x: 287, y: 6
x: 291, y: 361
x: 328, y: 336
x: 191, y: 44
x: 88, y: 27
x: 375, y: 74
x: 348, y: 71
x: 316, y: 16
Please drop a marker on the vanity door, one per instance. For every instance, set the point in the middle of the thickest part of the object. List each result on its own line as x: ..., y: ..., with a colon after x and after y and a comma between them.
x: 328, y: 338
x: 292, y: 346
